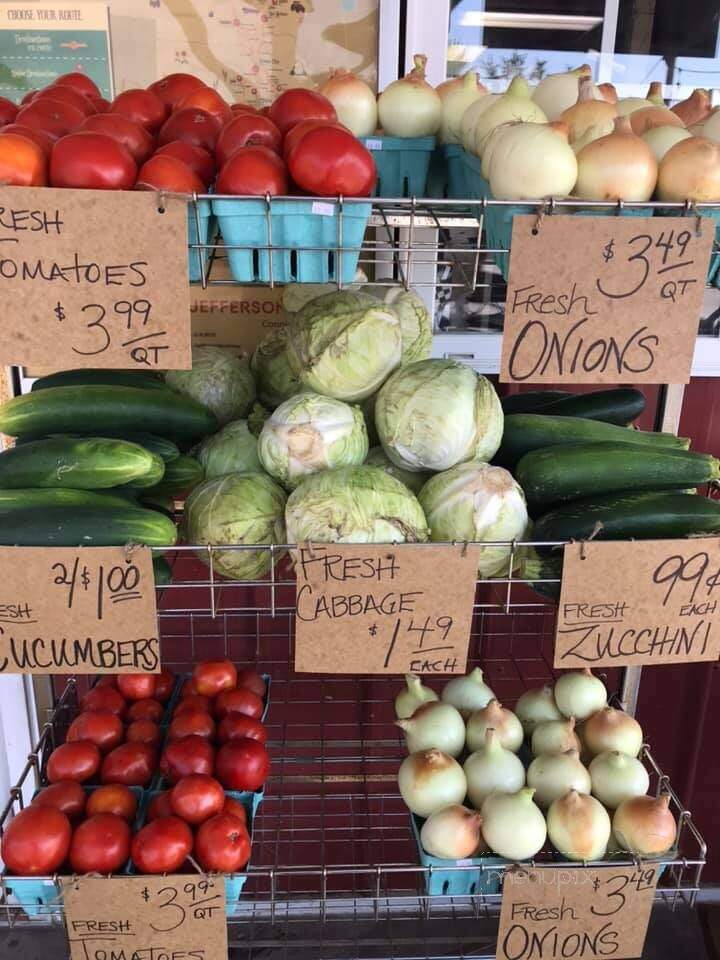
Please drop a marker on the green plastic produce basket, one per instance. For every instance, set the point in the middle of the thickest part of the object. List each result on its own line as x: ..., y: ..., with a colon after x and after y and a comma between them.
x: 402, y: 164
x: 455, y: 878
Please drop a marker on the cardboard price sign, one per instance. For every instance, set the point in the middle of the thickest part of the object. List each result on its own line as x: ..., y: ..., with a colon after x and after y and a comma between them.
x: 560, y: 913
x: 628, y: 603
x: 78, y: 610
x: 381, y: 608
x: 97, y: 278
x: 153, y: 917
x: 604, y: 299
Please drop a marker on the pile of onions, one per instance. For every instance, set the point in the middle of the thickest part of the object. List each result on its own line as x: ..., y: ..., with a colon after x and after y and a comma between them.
x: 608, y: 92
x: 555, y: 736
x: 430, y: 780
x: 535, y: 707
x: 711, y: 127
x: 490, y: 768
x: 452, y: 833
x: 620, y: 166
x: 513, y: 106
x: 650, y: 117
x: 354, y: 101
x: 456, y: 98
x: 696, y: 109
x: 558, y: 91
x: 436, y: 726
x: 690, y: 171
x: 513, y: 825
x: 578, y: 826
x: 553, y: 774
x: 468, y: 693
x: 644, y: 825
x: 506, y: 725
x: 662, y: 139
x: 629, y: 105
x: 579, y: 693
x: 655, y: 93
x: 616, y: 777
x: 471, y: 117
x: 611, y: 729
x: 531, y: 161
x: 413, y: 696
x: 410, y: 107
x: 589, y: 114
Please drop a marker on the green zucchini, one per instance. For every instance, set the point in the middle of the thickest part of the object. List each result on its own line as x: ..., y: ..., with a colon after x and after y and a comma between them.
x: 85, y: 526
x: 108, y: 378
x: 556, y: 474
x: 98, y: 409
x: 158, y: 501
x: 620, y: 406
x: 90, y: 463
x: 538, y: 569
x: 524, y: 432
x: 153, y: 476
x: 159, y: 445
x: 162, y: 571
x: 531, y: 402
x: 181, y: 476
x: 48, y: 497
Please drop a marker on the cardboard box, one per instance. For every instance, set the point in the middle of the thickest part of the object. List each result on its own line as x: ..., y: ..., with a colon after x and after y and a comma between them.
x: 235, y: 317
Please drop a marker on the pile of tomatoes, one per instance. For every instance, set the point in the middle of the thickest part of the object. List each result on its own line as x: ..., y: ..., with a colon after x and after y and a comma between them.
x: 176, y: 136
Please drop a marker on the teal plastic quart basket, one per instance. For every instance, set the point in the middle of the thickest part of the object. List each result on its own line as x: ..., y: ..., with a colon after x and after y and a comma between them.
x: 207, y: 224
x: 459, y: 878
x: 402, y: 164
x: 446, y: 178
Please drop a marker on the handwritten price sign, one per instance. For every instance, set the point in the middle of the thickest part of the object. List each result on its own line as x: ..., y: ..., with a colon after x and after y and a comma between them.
x: 89, y: 610
x: 639, y: 602
x: 604, y: 299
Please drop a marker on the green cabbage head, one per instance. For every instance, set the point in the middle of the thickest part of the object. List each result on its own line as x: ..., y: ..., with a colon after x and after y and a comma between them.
x: 271, y: 368
x: 416, y: 322
x: 256, y: 419
x: 232, y: 450
x: 219, y: 380
x: 413, y: 481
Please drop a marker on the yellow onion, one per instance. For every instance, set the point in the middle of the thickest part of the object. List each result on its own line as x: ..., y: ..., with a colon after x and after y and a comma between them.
x: 429, y: 780
x: 492, y: 767
x: 456, y: 98
x: 436, y: 726
x: 532, y: 161
x: 615, y: 777
x: 513, y: 106
x: 410, y: 107
x: 662, y: 139
x: 578, y: 826
x: 513, y: 825
x: 452, y: 833
x: 655, y: 93
x: 711, y: 126
x: 471, y: 117
x: 354, y: 101
x: 558, y: 91
x: 620, y: 166
x: 644, y: 825
x: 413, y: 696
x: 553, y: 774
x: 649, y: 117
x: 628, y: 105
x: 504, y: 722
x: 467, y: 693
x: 555, y: 736
x: 579, y: 693
x: 589, y: 113
x: 690, y: 171
x: 611, y: 729
x: 695, y: 109
x: 608, y: 92
x: 536, y: 706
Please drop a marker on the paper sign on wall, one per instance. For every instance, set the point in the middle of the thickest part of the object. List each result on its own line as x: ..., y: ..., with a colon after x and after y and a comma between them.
x: 78, y: 610
x: 364, y: 608
x: 604, y: 299
x: 94, y: 278
x: 628, y: 603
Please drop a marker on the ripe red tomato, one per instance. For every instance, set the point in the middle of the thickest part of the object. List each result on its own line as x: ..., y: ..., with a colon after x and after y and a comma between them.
x: 295, y: 105
x: 113, y: 798
x: 65, y: 795
x: 222, y: 843
x: 162, y: 846
x: 93, y: 161
x: 104, y: 697
x: 8, y: 111
x: 101, y: 844
x: 143, y: 731
x: 106, y: 680
x: 54, y: 118
x: 146, y: 710
x: 174, y: 88
x: 193, y: 702
x: 236, y: 726
x: 131, y: 763
x: 37, y: 136
x: 80, y: 82
x: 247, y: 130
x: 159, y: 806
x: 187, y: 755
x: 30, y: 95
x: 197, y: 798
x: 238, y: 700
x: 164, y: 685
x: 196, y: 158
x: 142, y: 106
x: 168, y: 173
x: 188, y: 689
x: 22, y: 162
x: 243, y: 108
x: 101, y: 104
x: 36, y: 842
x: 196, y: 127
x: 242, y: 765
x: 295, y: 135
x: 67, y: 95
x: 189, y: 723
x: 253, y: 171
x: 100, y: 727
x: 251, y: 681
x: 328, y: 162
x: 136, y: 140
x: 137, y: 686
x: 209, y: 100
x: 213, y: 676
x: 73, y: 761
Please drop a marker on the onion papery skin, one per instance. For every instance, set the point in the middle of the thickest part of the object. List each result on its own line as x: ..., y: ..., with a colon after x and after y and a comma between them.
x: 455, y: 101
x: 470, y: 119
x: 506, y: 725
x: 410, y: 107
x: 696, y: 109
x: 452, y: 833
x: 555, y: 774
x: 467, y: 693
x: 616, y: 777
x: 620, y: 166
x: 558, y: 91
x: 435, y: 726
x: 555, y: 736
x: 490, y: 768
x: 513, y: 825
x: 413, y: 696
x: 430, y: 780
x: 531, y: 161
x: 587, y: 113
x: 354, y: 101
x: 711, y: 127
x: 578, y: 827
x: 628, y: 105
x: 611, y: 729
x: 662, y: 139
x: 645, y: 826
x: 650, y: 117
x: 536, y: 706
x: 579, y: 694
x: 690, y: 171
x: 513, y: 106
x: 608, y: 92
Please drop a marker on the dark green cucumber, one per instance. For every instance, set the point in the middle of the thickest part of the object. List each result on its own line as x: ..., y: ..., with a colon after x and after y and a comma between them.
x: 162, y: 571
x: 89, y: 463
x: 557, y: 474
x: 153, y: 476
x: 524, y: 432
x: 158, y: 501
x: 620, y: 406
x: 159, y: 445
x: 538, y: 569
x: 98, y: 409
x: 85, y: 526
x: 108, y: 378
x: 181, y: 476
x: 531, y: 402
x: 22, y: 498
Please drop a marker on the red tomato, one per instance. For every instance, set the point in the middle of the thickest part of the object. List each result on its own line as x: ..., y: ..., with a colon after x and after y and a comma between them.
x: 104, y: 697
x: 142, y: 106
x: 131, y: 763
x: 236, y: 726
x: 253, y: 171
x: 100, y: 727
x: 93, y: 161
x: 196, y: 127
x: 136, y: 140
x: 189, y: 723
x: 243, y: 108
x: 242, y: 765
x: 264, y: 111
x: 295, y: 105
x: 187, y: 755
x: 251, y: 681
x: 101, y: 844
x: 137, y: 686
x: 73, y: 761
x: 197, y: 798
x: 222, y: 843
x: 22, y: 162
x: 328, y: 162
x: 194, y: 701
x: 37, y: 136
x: 65, y: 795
x: 164, y: 685
x: 54, y: 118
x: 235, y: 808
x: 213, y: 676
x: 196, y: 158
x: 107, y: 680
x: 174, y: 88
x: 36, y: 842
x: 80, y: 82
x: 143, y: 731
x: 159, y: 806
x: 146, y: 710
x: 247, y: 130
x: 30, y: 95
x: 8, y: 111
x: 294, y: 136
x: 101, y: 104
x: 168, y: 173
x: 67, y: 95
x: 162, y: 846
x: 113, y: 798
x: 209, y: 100
x: 238, y: 700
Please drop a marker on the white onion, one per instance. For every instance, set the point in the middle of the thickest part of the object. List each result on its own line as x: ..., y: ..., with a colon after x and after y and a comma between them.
x: 413, y: 696
x: 354, y: 101
x: 471, y: 117
x: 579, y: 693
x: 578, y: 826
x: 430, y: 780
x: 661, y: 139
x: 711, y: 127
x: 437, y: 726
x: 532, y: 161
x: 615, y: 777
x: 514, y: 105
x: 492, y: 767
x: 628, y: 105
x: 650, y: 117
x: 513, y: 825
x: 644, y: 825
x: 690, y: 171
x: 696, y: 109
x: 608, y: 92
x: 553, y: 774
x: 410, y: 107
x: 506, y: 725
x: 611, y: 729
x: 555, y: 736
x: 655, y: 93
x: 589, y: 113
x: 455, y: 101
x: 558, y: 91
x: 619, y: 166
x: 536, y: 706
x: 452, y: 833
x: 467, y: 693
